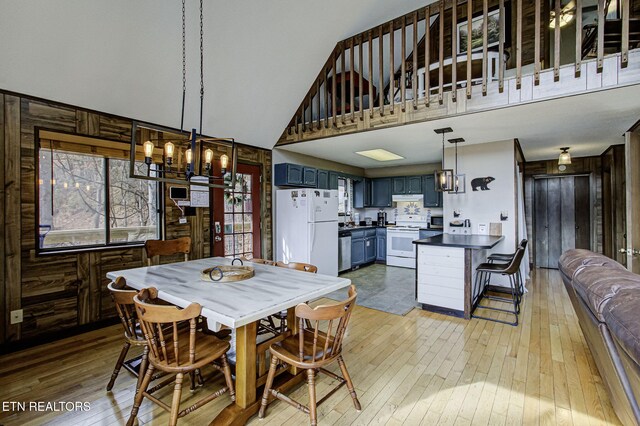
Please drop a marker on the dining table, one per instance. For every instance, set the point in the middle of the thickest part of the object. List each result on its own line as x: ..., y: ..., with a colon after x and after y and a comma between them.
x: 239, y: 305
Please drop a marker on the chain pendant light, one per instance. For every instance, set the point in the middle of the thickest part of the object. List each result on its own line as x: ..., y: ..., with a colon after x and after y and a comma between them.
x: 443, y: 177
x: 182, y: 159
x: 458, y: 186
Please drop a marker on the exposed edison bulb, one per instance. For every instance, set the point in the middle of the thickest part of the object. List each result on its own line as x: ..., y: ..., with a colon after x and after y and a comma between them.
x: 224, y: 161
x: 148, y: 149
x: 65, y: 185
x: 208, y: 156
x: 168, y: 150
x: 77, y: 185
x: 40, y: 181
x: 88, y: 187
x: 188, y: 156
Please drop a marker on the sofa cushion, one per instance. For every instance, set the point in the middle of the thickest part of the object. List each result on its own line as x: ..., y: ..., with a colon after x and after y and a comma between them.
x: 596, y: 285
x: 572, y: 260
x: 621, y: 316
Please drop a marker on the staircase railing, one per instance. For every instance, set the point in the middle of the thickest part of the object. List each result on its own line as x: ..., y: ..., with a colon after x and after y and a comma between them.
x: 414, y: 59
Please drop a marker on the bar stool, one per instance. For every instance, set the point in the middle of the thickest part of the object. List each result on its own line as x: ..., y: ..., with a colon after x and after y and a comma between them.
x: 483, y: 273
x: 507, y: 257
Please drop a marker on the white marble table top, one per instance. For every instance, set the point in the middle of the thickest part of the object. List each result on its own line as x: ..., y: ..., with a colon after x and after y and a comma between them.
x: 233, y: 304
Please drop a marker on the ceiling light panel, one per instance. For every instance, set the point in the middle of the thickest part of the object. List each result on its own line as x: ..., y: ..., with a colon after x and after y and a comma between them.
x: 380, y: 155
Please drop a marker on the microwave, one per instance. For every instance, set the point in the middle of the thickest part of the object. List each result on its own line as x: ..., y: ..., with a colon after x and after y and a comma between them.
x: 437, y: 222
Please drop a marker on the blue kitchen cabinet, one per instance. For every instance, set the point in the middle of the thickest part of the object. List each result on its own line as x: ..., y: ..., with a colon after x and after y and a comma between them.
x: 399, y: 185
x: 413, y: 184
x: 333, y: 180
x: 323, y: 179
x: 362, y: 193
x: 309, y: 176
x: 370, y: 249
x: 381, y: 244
x: 381, y: 192
x: 432, y: 198
x: 358, y: 250
x: 288, y: 175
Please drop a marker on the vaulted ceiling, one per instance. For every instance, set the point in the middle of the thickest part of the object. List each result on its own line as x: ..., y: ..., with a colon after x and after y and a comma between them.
x: 124, y: 57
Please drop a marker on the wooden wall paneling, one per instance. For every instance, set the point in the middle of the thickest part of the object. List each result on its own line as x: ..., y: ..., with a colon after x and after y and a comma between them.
x: 115, y: 128
x: 84, y: 291
x: 583, y: 209
x: 632, y: 187
x: 567, y: 213
x: 619, y: 203
x: 12, y: 277
x: 3, y: 304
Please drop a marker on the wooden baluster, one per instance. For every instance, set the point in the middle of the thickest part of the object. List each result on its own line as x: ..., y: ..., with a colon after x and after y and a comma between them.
x: 311, y: 96
x: 343, y: 100
x: 578, y: 37
x: 351, y: 85
x: 289, y: 127
x: 297, y: 121
x: 392, y: 83
x: 360, y: 85
x: 371, y: 97
x: 334, y: 87
x: 427, y: 48
x: 441, y: 53
x: 414, y: 83
x: 380, y: 71
x: 319, y: 124
x: 403, y: 64
x: 454, y: 50
x: 469, y: 29
x: 501, y: 48
x: 518, y: 44
x: 304, y: 116
x: 536, y: 49
x: 556, y: 42
x: 485, y: 53
x: 326, y: 95
x: 601, y: 17
x: 624, y: 56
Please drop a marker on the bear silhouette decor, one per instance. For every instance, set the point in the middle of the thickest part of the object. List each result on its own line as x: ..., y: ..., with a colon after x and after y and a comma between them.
x: 481, y: 183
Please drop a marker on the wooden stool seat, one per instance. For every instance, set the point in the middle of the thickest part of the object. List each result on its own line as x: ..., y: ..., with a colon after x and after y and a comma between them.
x: 209, y: 348
x: 289, y: 350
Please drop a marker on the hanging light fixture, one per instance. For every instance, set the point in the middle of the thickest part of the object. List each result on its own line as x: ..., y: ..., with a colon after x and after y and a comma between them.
x: 458, y: 186
x: 565, y: 157
x: 197, y: 148
x: 443, y: 177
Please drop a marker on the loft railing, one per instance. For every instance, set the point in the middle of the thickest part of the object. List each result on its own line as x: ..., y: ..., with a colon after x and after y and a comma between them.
x: 414, y: 59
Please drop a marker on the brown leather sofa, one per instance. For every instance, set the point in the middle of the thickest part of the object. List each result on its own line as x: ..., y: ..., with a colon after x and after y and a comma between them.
x: 606, y: 298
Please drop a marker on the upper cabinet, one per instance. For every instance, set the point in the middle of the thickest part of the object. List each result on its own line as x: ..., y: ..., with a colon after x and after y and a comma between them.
x: 333, y: 180
x: 414, y: 184
x: 432, y: 198
x: 288, y: 175
x: 381, y: 192
x: 403, y: 185
x: 399, y: 185
x: 323, y: 179
x: 362, y: 193
x: 310, y: 176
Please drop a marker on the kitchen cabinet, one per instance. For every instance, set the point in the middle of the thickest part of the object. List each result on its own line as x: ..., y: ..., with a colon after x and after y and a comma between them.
x: 381, y: 192
x: 414, y: 184
x: 358, y: 251
x: 399, y: 185
x: 362, y: 193
x: 333, y: 180
x: 370, y: 249
x: 432, y: 198
x: 288, y: 175
x: 381, y: 244
x: 310, y: 176
x: 323, y: 179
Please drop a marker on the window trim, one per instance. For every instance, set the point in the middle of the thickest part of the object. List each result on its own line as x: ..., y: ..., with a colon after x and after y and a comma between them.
x: 118, y: 144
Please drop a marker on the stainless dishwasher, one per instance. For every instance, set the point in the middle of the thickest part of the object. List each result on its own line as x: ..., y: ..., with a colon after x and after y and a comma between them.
x: 344, y: 251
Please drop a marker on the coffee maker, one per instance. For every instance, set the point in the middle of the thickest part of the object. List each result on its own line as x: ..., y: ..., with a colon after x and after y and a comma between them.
x: 382, y: 218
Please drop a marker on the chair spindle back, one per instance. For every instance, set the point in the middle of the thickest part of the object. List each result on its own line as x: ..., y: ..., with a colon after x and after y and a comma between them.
x: 306, y: 267
x: 123, y: 299
x: 167, y: 248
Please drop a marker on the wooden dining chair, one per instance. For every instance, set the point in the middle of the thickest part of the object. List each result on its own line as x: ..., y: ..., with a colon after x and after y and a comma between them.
x: 313, y: 350
x: 176, y: 351
x: 157, y: 248
x: 123, y: 298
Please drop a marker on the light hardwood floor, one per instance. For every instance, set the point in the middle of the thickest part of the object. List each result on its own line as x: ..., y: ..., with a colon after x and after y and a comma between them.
x: 422, y: 368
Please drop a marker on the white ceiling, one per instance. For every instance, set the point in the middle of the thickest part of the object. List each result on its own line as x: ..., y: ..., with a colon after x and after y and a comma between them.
x: 124, y: 57
x: 587, y: 123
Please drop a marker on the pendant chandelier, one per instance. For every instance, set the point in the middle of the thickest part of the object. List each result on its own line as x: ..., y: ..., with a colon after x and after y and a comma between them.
x: 458, y: 186
x: 444, y: 177
x: 184, y: 157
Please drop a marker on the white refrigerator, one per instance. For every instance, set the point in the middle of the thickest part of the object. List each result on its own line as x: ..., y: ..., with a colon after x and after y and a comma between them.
x: 307, y: 228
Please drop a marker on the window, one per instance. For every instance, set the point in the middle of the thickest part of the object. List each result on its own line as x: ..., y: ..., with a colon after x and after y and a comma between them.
x: 345, y: 193
x: 90, y: 201
x: 239, y: 214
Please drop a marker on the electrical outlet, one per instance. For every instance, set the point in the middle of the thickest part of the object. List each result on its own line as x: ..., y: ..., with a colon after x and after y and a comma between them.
x: 16, y: 316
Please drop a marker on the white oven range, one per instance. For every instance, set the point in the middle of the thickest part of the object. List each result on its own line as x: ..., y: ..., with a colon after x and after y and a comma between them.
x: 400, y: 248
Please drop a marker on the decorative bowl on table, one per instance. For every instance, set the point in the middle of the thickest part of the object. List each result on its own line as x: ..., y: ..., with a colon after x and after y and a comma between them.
x: 227, y: 273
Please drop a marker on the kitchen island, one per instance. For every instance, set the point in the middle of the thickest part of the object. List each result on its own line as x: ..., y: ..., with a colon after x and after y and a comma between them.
x: 445, y: 265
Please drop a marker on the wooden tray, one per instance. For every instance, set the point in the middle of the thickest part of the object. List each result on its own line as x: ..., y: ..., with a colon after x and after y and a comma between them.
x: 227, y: 273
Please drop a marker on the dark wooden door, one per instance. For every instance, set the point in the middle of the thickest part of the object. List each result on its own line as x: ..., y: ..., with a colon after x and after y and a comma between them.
x: 562, y: 218
x: 236, y: 227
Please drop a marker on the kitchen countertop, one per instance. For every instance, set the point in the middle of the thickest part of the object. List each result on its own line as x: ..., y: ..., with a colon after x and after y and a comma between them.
x: 462, y: 241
